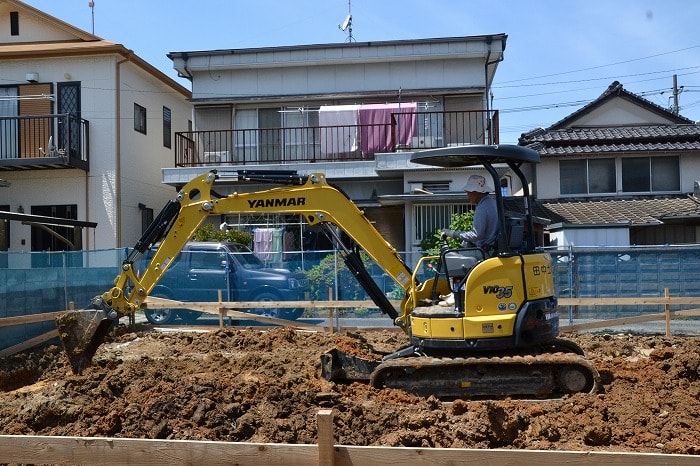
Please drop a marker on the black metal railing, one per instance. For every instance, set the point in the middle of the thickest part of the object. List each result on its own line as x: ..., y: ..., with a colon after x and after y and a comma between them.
x: 44, y: 141
x: 405, y: 131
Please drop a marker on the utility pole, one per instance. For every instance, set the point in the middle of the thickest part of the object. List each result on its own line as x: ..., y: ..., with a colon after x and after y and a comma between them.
x: 676, y: 93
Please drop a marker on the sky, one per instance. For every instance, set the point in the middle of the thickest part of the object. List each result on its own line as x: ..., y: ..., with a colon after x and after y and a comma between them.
x: 560, y: 54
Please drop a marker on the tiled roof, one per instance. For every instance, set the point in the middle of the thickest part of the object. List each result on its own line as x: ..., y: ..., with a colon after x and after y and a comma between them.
x: 565, y: 138
x: 649, y: 211
x: 574, y: 141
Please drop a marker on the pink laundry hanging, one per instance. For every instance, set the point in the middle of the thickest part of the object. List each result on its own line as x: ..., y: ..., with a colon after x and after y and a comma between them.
x: 376, y: 130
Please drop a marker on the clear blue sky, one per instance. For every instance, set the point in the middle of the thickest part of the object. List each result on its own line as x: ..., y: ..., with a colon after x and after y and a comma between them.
x: 560, y: 54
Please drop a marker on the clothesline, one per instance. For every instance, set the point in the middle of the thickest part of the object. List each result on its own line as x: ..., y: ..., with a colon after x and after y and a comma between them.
x: 418, y: 104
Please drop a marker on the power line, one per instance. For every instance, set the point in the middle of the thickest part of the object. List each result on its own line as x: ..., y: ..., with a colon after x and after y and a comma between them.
x: 603, y: 66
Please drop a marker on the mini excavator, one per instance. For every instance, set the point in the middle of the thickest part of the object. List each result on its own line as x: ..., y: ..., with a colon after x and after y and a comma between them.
x: 499, y: 339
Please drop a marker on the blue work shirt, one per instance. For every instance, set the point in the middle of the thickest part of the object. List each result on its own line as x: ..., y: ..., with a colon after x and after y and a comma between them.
x: 484, y: 231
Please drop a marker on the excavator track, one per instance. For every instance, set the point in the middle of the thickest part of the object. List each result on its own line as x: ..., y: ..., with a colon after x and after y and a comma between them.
x: 536, y: 376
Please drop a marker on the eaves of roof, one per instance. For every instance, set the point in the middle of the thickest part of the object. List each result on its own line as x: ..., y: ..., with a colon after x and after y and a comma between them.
x: 81, y: 48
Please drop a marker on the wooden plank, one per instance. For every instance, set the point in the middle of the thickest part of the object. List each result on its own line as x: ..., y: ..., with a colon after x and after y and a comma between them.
x: 629, y: 320
x: 29, y: 319
x: 383, y: 456
x: 646, y: 300
x: 156, y: 303
x: 216, y: 308
x: 32, y: 449
x: 29, y: 343
x: 148, y: 452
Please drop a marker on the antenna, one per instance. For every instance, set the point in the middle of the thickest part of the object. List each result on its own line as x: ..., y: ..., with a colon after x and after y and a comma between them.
x: 91, y: 4
x: 347, y: 24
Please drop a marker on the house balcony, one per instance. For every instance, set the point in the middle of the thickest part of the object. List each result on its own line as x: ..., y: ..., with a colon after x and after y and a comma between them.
x: 44, y: 142
x: 406, y: 131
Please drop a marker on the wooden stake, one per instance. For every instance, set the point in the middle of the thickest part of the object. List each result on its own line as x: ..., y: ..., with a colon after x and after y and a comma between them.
x: 222, y: 312
x: 326, y: 441
x: 667, y: 309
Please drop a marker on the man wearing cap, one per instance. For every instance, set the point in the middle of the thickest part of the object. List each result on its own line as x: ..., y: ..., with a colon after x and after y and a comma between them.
x: 484, y: 231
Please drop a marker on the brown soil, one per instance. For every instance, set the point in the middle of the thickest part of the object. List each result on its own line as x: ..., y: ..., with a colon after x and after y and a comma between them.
x: 254, y: 385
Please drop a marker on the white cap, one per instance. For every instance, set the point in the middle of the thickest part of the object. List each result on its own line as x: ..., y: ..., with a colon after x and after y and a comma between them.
x: 478, y: 184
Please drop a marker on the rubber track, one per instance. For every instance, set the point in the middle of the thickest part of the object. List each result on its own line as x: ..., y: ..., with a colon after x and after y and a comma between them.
x: 539, y: 376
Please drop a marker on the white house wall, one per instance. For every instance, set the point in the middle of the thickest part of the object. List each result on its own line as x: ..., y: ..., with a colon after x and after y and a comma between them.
x: 618, y: 112
x: 55, y: 187
x: 337, y: 79
x: 144, y: 156
x: 548, y: 175
x: 590, y: 237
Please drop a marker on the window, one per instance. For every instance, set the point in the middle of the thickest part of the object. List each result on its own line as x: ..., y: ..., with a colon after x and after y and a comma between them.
x: 665, y: 174
x: 139, y: 118
x: 428, y: 218
x: 594, y: 176
x: 650, y: 174
x: 14, y: 23
x: 167, y: 128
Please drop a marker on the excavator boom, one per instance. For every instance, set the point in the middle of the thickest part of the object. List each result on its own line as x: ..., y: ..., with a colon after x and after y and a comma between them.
x: 83, y: 331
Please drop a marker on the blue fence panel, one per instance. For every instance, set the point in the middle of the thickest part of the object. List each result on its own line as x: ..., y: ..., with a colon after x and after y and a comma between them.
x: 45, y: 282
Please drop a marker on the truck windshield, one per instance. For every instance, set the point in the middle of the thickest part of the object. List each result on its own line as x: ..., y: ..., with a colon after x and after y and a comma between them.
x: 245, y: 256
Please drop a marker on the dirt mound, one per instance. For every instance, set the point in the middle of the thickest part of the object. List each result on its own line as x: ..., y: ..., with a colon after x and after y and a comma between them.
x: 256, y: 385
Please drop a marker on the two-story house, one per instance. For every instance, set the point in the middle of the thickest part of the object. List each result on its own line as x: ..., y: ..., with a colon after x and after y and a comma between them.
x: 85, y: 128
x: 354, y: 111
x: 619, y: 171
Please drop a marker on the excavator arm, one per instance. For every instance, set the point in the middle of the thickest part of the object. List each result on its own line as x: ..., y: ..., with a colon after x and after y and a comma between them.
x: 311, y: 197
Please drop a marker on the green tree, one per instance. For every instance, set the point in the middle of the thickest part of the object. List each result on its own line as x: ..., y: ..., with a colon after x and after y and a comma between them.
x: 207, y: 232
x: 460, y: 222
x: 323, y: 276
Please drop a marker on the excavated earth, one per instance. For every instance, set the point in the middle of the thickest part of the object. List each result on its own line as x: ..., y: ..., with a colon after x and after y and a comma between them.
x: 264, y: 385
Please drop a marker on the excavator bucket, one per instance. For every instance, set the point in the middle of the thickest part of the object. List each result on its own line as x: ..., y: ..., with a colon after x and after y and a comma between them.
x: 339, y: 366
x: 82, y: 332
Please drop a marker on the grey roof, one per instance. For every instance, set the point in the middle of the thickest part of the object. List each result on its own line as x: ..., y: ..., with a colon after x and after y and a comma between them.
x: 633, y: 211
x: 576, y: 141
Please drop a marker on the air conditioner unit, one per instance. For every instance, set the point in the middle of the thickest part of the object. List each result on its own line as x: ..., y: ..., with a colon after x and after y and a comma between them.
x: 219, y: 156
x: 423, y: 142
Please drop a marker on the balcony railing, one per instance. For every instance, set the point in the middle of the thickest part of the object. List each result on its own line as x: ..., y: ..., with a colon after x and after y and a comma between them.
x: 44, y: 142
x: 406, y: 131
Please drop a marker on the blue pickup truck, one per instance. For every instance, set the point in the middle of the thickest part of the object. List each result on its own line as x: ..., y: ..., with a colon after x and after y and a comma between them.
x: 204, y: 268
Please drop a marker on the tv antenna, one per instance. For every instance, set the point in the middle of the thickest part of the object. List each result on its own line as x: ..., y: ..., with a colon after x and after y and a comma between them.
x: 347, y: 25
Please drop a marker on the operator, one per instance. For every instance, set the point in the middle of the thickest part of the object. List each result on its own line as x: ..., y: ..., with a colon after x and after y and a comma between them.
x: 484, y: 231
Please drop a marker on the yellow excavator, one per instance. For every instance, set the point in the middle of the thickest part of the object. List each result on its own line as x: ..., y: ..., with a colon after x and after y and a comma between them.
x: 499, y: 339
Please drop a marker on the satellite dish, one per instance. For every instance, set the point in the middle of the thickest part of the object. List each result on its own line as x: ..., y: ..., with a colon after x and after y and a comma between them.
x: 346, y: 23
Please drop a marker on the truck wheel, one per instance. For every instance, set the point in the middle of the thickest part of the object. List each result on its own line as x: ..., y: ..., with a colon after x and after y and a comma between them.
x: 278, y: 312
x: 160, y: 316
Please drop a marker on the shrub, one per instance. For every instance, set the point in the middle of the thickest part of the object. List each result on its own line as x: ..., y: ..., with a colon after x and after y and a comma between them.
x: 207, y: 232
x: 460, y: 222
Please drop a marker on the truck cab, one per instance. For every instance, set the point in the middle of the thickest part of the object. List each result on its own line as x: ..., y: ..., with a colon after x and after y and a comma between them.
x: 203, y: 268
